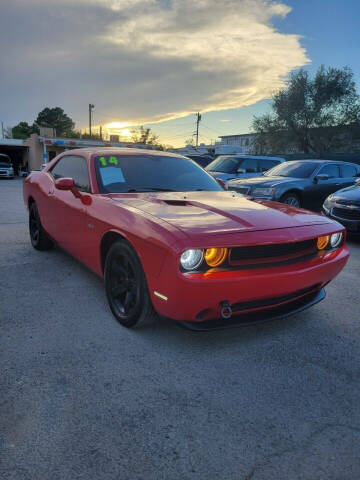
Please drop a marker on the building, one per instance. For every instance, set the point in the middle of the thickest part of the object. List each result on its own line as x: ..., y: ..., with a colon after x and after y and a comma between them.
x: 41, y: 150
x: 16, y: 150
x: 202, y: 149
x: 230, y: 144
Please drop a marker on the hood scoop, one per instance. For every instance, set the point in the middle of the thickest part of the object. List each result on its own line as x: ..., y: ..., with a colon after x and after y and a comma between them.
x: 179, y: 203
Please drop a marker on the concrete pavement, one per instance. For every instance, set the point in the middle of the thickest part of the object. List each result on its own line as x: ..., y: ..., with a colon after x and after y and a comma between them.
x: 83, y: 398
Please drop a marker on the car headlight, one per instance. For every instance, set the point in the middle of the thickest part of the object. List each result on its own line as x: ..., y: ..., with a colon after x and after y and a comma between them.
x: 266, y: 192
x: 330, y: 241
x: 336, y: 239
x: 329, y: 201
x: 215, y: 256
x: 323, y: 242
x: 191, y: 259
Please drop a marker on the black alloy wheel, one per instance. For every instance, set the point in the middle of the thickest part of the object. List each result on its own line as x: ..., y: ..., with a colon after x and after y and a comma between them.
x: 38, y: 237
x: 291, y: 199
x: 126, y: 286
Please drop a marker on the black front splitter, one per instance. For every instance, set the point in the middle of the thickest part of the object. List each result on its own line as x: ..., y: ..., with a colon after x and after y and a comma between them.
x: 255, y: 318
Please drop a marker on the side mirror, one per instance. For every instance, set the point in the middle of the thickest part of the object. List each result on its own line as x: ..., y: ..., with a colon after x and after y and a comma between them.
x: 240, y: 170
x: 322, y: 176
x: 65, y: 184
x: 357, y: 181
x: 69, y: 184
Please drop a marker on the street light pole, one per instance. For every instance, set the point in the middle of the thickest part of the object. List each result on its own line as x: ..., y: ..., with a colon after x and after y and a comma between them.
x: 198, y: 119
x: 91, y: 106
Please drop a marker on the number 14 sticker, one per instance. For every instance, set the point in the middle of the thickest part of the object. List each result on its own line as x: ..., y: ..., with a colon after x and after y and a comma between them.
x: 111, y: 161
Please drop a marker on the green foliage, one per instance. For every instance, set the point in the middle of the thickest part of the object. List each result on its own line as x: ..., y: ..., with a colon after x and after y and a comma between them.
x: 23, y: 130
x: 311, y: 115
x: 144, y: 136
x: 56, y: 118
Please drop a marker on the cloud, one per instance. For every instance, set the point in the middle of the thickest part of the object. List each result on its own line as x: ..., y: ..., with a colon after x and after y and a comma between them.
x: 142, y: 60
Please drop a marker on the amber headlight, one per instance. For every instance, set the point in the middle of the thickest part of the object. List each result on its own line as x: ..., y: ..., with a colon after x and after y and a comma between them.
x: 215, y: 256
x: 323, y: 242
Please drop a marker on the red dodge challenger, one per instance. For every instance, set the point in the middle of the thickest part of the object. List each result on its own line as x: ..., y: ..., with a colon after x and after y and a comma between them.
x: 168, y: 239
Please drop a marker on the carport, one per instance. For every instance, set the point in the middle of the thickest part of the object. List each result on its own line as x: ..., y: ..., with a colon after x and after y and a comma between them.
x: 17, y: 151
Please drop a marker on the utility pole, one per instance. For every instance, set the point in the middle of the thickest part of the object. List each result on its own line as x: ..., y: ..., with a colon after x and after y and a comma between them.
x: 91, y: 106
x: 198, y: 119
x: 2, y: 129
x: 100, y: 132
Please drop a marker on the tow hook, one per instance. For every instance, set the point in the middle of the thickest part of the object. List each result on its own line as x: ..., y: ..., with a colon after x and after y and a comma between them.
x: 226, y: 310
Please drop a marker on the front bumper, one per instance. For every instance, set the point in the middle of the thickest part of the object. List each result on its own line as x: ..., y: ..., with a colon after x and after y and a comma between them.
x: 253, y: 294
x: 279, y: 311
x: 6, y: 175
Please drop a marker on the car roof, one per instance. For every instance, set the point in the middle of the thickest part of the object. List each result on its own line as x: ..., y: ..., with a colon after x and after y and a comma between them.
x: 258, y: 157
x: 321, y: 162
x: 119, y: 151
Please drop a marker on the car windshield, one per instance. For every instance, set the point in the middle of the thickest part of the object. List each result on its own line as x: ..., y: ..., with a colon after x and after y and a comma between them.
x: 151, y: 173
x: 292, y: 169
x: 223, y: 164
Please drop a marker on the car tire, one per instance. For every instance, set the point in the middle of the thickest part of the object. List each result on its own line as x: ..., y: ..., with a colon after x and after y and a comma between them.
x: 38, y: 237
x: 126, y: 287
x: 291, y: 199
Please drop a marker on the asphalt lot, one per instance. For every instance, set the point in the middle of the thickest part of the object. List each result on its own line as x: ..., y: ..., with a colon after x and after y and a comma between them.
x: 83, y: 398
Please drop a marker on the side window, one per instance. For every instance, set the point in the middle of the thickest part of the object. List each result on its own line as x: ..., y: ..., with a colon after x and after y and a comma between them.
x: 73, y: 167
x: 267, y: 164
x: 348, y: 171
x: 331, y: 170
x: 250, y: 165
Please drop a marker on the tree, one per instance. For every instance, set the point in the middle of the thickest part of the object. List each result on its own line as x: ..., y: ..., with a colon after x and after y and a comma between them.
x: 23, y: 130
x: 310, y: 115
x: 144, y: 136
x: 56, y: 118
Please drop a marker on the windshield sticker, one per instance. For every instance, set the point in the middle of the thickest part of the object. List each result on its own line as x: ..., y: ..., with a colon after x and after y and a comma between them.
x: 111, y: 174
x: 110, y: 161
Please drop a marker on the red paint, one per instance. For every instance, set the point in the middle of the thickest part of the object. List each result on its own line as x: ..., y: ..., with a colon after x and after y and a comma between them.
x: 160, y: 232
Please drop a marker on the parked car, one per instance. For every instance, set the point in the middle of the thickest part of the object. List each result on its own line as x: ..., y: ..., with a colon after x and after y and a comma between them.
x: 202, y: 160
x: 23, y: 172
x: 300, y: 183
x: 344, y: 206
x: 6, y: 167
x: 168, y: 239
x: 226, y: 167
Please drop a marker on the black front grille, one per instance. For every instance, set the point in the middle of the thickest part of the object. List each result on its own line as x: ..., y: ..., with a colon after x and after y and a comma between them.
x: 269, y: 251
x: 346, y: 213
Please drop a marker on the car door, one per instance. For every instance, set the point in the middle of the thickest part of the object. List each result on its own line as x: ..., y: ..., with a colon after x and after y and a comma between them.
x: 69, y: 212
x: 323, y: 188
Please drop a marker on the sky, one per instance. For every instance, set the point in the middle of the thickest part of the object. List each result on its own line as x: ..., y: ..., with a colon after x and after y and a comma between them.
x: 157, y: 62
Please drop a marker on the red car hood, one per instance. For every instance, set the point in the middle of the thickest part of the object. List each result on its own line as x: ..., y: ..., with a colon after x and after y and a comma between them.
x: 199, y: 213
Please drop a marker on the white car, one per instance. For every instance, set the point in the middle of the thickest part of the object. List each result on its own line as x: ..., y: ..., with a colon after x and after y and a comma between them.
x: 6, y: 168
x: 23, y: 172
